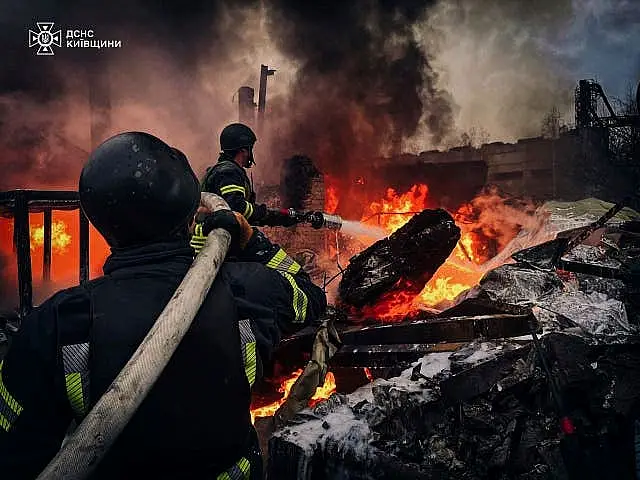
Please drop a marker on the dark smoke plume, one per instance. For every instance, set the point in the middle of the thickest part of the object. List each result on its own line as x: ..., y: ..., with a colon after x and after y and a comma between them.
x: 364, y: 83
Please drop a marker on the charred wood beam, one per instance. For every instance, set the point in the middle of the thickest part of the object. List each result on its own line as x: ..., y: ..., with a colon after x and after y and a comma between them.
x: 481, y: 378
x: 457, y: 329
x: 46, y: 254
x: 23, y: 250
x: 428, y: 335
x: 84, y: 248
x: 383, y: 356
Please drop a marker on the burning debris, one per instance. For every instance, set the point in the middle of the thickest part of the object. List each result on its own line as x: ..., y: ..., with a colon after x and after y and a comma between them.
x: 485, y: 401
x: 405, y: 261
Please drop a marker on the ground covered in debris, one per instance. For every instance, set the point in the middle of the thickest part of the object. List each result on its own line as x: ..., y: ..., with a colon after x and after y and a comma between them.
x: 563, y: 407
x: 442, y: 419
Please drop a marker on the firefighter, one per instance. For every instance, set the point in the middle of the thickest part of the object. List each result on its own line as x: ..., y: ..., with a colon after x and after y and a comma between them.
x: 229, y: 179
x: 141, y: 195
x: 283, y: 286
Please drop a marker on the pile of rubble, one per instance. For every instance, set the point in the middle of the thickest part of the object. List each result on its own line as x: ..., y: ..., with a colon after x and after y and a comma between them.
x: 558, y: 397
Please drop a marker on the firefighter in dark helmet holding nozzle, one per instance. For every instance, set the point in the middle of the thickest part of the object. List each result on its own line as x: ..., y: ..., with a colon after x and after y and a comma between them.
x: 228, y: 178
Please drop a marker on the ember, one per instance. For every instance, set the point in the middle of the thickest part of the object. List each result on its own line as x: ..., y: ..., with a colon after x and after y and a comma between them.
x: 322, y: 393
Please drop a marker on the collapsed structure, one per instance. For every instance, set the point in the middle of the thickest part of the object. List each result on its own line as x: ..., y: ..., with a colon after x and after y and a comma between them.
x: 482, y: 396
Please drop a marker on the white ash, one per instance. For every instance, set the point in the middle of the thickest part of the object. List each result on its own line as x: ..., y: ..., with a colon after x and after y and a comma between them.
x: 434, y: 363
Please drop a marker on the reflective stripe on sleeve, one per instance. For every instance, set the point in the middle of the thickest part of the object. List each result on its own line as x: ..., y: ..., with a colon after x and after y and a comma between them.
x: 300, y: 300
x: 248, y: 211
x: 284, y: 263
x: 75, y: 359
x: 10, y: 409
x: 240, y: 471
x: 227, y: 189
x: 249, y: 354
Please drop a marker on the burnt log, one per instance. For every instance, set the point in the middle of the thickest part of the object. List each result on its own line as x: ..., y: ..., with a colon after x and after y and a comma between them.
x: 405, y: 261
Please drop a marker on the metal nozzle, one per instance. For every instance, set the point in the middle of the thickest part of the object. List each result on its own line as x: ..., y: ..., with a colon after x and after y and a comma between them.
x: 332, y: 222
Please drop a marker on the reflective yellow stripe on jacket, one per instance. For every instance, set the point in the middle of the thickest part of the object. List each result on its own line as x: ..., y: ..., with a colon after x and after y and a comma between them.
x: 288, y: 267
x: 75, y: 360
x: 10, y: 409
x: 198, y: 239
x: 227, y: 189
x: 240, y: 471
x: 249, y: 354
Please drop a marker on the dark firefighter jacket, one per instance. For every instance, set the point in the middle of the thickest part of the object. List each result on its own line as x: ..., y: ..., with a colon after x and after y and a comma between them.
x: 195, y: 422
x: 230, y: 181
x: 280, y: 298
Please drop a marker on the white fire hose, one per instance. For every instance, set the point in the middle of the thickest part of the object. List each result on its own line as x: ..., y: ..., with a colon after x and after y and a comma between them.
x: 86, y: 447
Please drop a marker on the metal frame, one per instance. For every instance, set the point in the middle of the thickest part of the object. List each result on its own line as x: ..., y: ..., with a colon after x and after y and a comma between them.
x: 18, y: 204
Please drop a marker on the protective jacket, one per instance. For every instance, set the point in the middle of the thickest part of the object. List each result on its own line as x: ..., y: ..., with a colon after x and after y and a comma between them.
x: 230, y: 181
x: 273, y: 291
x: 195, y: 422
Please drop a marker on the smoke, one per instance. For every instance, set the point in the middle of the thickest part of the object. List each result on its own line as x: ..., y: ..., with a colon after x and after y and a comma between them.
x: 363, y: 82
x: 506, y: 64
x: 175, y: 76
x: 298, y: 173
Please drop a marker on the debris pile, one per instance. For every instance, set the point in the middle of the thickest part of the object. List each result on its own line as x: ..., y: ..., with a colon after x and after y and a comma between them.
x: 485, y: 411
x: 485, y: 401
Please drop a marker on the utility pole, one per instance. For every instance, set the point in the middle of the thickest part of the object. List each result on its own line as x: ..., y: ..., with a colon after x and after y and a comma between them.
x: 262, y: 94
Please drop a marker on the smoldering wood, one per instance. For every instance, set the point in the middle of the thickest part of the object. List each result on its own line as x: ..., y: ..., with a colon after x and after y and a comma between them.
x: 405, y: 261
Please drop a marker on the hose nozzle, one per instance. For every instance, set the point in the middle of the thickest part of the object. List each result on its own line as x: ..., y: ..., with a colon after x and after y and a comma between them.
x: 324, y: 220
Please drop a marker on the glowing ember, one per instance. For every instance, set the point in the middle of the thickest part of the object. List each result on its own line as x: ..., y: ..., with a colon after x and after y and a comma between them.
x: 368, y: 373
x: 60, y: 239
x: 322, y: 393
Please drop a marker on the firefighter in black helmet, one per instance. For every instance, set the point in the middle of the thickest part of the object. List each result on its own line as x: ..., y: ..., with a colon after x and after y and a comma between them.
x: 141, y: 195
x: 229, y: 179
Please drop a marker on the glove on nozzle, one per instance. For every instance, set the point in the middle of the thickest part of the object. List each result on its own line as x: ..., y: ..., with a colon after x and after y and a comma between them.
x: 232, y: 222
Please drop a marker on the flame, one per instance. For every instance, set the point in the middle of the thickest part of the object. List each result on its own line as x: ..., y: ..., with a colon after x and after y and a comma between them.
x: 393, y: 211
x: 369, y: 375
x: 65, y: 252
x: 322, y: 393
x: 459, y: 272
x: 331, y: 199
x: 60, y: 239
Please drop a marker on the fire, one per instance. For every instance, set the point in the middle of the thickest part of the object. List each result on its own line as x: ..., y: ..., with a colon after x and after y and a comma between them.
x: 60, y: 239
x: 459, y: 273
x: 395, y: 210
x: 65, y: 252
x: 322, y: 393
x: 331, y: 199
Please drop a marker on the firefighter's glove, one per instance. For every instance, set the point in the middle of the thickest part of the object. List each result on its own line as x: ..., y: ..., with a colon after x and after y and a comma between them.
x: 280, y: 218
x: 232, y: 222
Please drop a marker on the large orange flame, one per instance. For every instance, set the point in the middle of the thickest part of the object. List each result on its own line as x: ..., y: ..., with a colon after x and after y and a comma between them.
x: 460, y: 271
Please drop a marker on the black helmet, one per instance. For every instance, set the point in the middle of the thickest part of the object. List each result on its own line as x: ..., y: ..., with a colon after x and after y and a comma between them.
x: 236, y: 136
x: 135, y: 189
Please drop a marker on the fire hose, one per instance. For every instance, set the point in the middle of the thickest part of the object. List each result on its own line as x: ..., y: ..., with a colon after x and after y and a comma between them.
x: 89, y: 443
